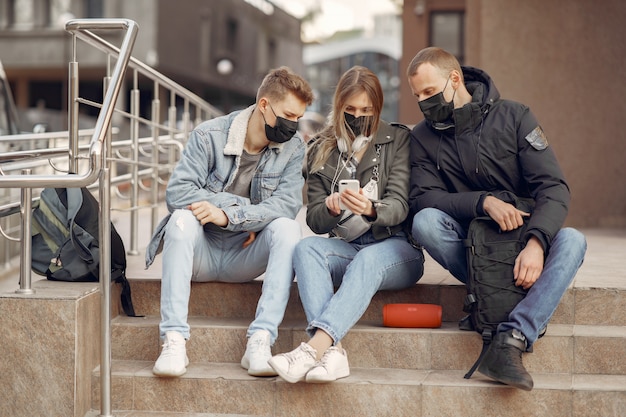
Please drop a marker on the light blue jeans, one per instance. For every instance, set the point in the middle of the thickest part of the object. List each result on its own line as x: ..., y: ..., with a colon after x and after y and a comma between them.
x: 359, y: 268
x: 442, y: 237
x: 192, y: 254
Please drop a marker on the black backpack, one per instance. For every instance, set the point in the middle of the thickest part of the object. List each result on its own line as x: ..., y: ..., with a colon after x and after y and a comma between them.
x: 65, y: 241
x: 491, y: 290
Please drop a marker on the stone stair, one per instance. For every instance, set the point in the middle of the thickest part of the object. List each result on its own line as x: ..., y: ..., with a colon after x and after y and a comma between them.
x: 579, y: 367
x: 49, y: 365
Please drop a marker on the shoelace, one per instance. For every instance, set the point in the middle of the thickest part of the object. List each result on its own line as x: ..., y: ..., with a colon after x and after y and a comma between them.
x: 258, y: 345
x: 297, y: 355
x: 324, y: 361
x: 170, y: 347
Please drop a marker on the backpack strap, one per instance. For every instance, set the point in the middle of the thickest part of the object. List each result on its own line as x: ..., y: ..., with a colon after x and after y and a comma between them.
x: 126, y: 300
x: 487, y: 337
x: 74, y: 203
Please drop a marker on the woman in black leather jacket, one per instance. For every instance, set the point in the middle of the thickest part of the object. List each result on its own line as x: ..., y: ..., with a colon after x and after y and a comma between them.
x: 368, y: 249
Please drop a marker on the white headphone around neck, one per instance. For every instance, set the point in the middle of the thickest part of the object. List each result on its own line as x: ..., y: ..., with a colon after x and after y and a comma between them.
x: 359, y: 143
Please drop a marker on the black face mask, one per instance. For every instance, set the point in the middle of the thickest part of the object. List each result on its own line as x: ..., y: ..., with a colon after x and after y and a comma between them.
x: 359, y: 125
x: 436, y: 108
x: 282, y: 131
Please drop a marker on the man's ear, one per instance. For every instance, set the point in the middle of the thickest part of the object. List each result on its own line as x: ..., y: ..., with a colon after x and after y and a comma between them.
x: 455, y: 78
x: 262, y: 103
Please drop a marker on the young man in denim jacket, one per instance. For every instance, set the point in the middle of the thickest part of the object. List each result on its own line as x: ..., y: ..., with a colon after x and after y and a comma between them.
x: 233, y: 198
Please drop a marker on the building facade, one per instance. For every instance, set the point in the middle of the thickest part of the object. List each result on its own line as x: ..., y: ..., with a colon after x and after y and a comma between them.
x: 325, y: 63
x: 565, y: 60
x: 220, y: 49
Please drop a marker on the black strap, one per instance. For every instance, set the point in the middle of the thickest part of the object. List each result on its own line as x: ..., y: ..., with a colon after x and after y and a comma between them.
x: 126, y: 300
x: 487, y: 336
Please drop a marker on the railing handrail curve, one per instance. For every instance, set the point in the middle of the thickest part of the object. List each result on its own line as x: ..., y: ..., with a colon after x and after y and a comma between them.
x: 105, y: 46
x: 104, y: 117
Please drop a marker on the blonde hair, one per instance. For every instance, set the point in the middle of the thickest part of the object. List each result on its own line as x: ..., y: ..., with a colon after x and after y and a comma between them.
x: 356, y: 80
x: 281, y: 81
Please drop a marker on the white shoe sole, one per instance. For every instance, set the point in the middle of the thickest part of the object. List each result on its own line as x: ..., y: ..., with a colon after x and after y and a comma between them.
x: 267, y: 371
x: 170, y: 373
x: 325, y: 378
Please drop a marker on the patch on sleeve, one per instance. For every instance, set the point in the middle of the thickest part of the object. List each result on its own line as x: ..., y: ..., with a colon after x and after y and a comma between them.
x: 537, y: 139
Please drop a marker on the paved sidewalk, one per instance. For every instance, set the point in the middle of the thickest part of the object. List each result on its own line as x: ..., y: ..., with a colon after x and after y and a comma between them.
x: 604, y: 265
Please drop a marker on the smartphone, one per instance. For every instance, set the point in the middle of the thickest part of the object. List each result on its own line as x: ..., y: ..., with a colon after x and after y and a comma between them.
x: 347, y: 185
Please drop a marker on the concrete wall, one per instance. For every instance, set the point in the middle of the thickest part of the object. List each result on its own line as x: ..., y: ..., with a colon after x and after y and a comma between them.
x: 55, y: 346
x: 566, y: 61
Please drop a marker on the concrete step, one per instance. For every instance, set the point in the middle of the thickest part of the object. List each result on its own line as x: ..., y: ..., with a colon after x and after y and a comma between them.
x: 579, y: 305
x: 226, y: 389
x: 119, y: 413
x: 578, y: 367
x: 577, y: 349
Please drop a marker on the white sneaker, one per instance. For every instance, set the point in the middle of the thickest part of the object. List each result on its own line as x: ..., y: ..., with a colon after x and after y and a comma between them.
x: 294, y: 365
x: 258, y: 352
x: 173, y: 360
x: 332, y: 366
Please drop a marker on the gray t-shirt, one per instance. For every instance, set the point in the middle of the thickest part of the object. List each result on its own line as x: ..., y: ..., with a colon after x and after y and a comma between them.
x: 241, y: 184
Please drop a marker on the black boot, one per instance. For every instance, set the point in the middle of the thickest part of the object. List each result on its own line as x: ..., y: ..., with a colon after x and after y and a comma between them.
x: 503, y: 361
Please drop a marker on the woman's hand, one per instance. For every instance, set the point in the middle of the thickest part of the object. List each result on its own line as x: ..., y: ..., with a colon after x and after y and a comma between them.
x: 358, y: 203
x: 332, y: 204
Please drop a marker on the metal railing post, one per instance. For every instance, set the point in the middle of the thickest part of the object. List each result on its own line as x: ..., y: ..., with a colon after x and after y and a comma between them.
x: 72, y: 114
x: 105, y: 273
x: 134, y: 183
x: 154, y: 198
x: 25, y: 215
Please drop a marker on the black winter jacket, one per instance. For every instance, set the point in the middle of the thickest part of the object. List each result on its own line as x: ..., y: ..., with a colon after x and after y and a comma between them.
x: 493, y: 147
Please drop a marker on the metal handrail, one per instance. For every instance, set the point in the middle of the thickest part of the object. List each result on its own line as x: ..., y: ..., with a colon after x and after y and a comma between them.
x: 80, y: 28
x: 148, y: 71
x: 98, y: 170
x: 143, y: 160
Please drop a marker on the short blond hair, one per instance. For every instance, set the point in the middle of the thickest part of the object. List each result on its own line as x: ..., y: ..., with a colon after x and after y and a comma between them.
x: 281, y: 81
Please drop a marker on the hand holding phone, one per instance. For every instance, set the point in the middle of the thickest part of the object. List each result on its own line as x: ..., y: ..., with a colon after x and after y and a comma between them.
x: 347, y: 185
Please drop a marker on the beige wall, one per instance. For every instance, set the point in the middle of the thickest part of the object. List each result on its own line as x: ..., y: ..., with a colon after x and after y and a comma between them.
x: 566, y: 61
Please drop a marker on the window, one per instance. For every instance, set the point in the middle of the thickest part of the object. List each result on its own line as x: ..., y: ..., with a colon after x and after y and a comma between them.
x: 42, y: 14
x: 232, y: 29
x: 272, y: 53
x: 447, y: 32
x: 94, y: 8
x: 7, y: 12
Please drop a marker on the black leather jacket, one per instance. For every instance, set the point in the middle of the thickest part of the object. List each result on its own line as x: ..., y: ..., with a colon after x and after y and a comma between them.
x: 393, y: 185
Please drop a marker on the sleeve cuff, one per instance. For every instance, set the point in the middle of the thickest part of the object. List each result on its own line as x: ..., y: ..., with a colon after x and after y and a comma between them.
x: 480, y: 210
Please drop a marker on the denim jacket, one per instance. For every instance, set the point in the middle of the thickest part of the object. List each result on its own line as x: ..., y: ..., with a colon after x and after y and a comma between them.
x: 209, y: 164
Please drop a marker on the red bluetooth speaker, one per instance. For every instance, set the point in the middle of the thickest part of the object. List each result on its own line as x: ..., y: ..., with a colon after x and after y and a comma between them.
x: 412, y: 315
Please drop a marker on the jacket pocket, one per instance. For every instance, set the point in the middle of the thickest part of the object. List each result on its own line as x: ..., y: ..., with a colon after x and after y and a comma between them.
x: 268, y: 184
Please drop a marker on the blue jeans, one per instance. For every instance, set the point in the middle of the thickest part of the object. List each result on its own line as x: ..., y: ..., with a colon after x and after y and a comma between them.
x: 192, y: 254
x: 359, y: 268
x: 442, y: 237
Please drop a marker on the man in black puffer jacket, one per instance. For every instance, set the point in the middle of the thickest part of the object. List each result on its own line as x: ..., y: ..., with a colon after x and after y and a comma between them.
x: 474, y: 155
